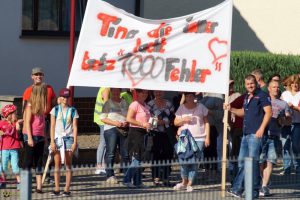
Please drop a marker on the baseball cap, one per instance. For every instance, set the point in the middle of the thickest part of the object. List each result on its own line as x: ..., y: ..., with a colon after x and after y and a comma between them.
x: 65, y: 92
x: 37, y: 70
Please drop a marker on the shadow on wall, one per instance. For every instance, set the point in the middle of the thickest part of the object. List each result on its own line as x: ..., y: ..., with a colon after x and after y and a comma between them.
x: 243, y: 37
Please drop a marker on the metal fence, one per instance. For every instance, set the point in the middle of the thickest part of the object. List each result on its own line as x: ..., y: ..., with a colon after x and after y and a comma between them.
x: 87, y: 185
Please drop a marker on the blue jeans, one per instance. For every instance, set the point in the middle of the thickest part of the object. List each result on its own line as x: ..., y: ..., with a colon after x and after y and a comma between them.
x: 68, y: 142
x: 12, y: 156
x: 101, y: 148
x: 112, y: 139
x: 134, y: 173
x: 250, y: 147
x: 200, y: 145
x: 295, y: 137
x: 268, y: 152
x: 286, y: 149
x: 189, y: 171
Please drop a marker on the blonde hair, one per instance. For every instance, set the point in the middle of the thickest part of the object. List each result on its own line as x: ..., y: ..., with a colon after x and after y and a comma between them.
x: 38, y: 99
x: 290, y: 80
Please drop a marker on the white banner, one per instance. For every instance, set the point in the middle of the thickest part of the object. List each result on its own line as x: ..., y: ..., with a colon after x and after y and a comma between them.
x: 118, y: 49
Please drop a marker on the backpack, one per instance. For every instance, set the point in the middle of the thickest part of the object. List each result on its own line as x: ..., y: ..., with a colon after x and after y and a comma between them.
x: 72, y: 112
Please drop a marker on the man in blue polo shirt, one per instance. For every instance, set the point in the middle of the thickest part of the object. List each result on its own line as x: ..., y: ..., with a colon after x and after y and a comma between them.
x: 257, y: 112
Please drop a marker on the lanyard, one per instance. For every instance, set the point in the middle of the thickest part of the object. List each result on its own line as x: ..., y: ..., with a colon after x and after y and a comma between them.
x: 64, y: 119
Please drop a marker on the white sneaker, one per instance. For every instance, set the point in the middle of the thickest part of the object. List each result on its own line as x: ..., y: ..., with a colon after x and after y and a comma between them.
x: 100, y: 171
x: 179, y: 186
x: 112, y: 180
x: 189, y: 189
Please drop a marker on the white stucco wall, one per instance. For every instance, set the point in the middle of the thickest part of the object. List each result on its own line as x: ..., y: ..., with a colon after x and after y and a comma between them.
x: 19, y: 55
x: 275, y: 22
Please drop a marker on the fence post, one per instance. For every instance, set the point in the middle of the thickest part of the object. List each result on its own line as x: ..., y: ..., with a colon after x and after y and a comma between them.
x: 26, y: 185
x: 249, y: 178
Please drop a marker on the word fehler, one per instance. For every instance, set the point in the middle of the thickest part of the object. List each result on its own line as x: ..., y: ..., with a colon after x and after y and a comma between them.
x: 174, y: 69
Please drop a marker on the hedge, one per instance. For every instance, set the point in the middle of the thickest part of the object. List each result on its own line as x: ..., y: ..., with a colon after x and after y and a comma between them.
x: 244, y: 62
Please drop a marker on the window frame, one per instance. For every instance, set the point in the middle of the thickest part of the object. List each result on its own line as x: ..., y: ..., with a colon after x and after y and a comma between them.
x: 46, y: 33
x: 55, y: 33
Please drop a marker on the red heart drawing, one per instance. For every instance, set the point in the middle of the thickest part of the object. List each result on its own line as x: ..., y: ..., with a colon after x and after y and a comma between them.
x: 133, y: 83
x: 210, y: 43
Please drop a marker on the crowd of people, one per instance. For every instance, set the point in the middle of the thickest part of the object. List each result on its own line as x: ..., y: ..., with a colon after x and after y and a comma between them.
x: 143, y: 125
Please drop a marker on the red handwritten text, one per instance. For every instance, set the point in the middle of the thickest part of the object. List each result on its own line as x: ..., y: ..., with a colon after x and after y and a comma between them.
x: 156, y: 46
x: 183, y: 73
x: 110, y: 29
x: 161, y: 31
x: 97, y: 65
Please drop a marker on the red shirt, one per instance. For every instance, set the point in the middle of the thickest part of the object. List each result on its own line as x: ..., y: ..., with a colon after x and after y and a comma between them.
x: 238, y: 103
x: 50, y: 97
x: 10, y: 138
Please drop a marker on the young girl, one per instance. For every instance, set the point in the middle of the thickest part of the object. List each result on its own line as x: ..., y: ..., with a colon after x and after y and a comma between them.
x: 9, y: 143
x: 34, y: 131
x: 63, y: 133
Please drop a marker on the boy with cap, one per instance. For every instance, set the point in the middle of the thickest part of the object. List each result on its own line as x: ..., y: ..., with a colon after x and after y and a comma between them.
x: 37, y: 76
x: 63, y: 133
x: 9, y: 143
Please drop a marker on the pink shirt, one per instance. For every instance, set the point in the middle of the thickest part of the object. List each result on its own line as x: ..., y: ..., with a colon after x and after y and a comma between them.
x: 10, y: 138
x: 142, y: 114
x: 37, y: 124
x: 196, y: 127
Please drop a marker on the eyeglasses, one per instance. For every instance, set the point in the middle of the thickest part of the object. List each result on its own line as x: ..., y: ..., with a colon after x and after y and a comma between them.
x: 38, y: 74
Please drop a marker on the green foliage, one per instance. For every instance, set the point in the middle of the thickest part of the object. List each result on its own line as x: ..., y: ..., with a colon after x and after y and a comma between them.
x: 244, y: 62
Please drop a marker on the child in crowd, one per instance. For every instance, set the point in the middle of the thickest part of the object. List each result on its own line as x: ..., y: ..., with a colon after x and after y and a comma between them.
x: 9, y: 143
x: 63, y: 133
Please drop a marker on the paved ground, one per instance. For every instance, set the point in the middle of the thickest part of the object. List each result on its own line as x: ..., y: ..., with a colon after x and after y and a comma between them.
x: 87, y: 185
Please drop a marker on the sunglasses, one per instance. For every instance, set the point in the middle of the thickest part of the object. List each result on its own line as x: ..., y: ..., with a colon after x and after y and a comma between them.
x: 38, y: 74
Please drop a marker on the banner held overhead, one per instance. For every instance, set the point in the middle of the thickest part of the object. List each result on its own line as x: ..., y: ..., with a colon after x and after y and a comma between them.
x: 188, y: 53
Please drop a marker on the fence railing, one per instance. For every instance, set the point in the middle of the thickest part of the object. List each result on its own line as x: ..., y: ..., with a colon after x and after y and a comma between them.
x: 207, y: 185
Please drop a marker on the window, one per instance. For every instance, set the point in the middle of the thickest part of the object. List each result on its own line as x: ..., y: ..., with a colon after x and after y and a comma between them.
x: 50, y: 17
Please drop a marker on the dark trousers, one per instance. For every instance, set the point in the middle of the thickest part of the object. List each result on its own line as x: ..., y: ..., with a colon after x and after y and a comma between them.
x: 34, y: 157
x: 162, y: 154
x: 210, y: 152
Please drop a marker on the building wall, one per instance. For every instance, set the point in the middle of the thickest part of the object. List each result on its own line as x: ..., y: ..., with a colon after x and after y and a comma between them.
x: 18, y: 55
x: 259, y: 25
x: 275, y: 22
